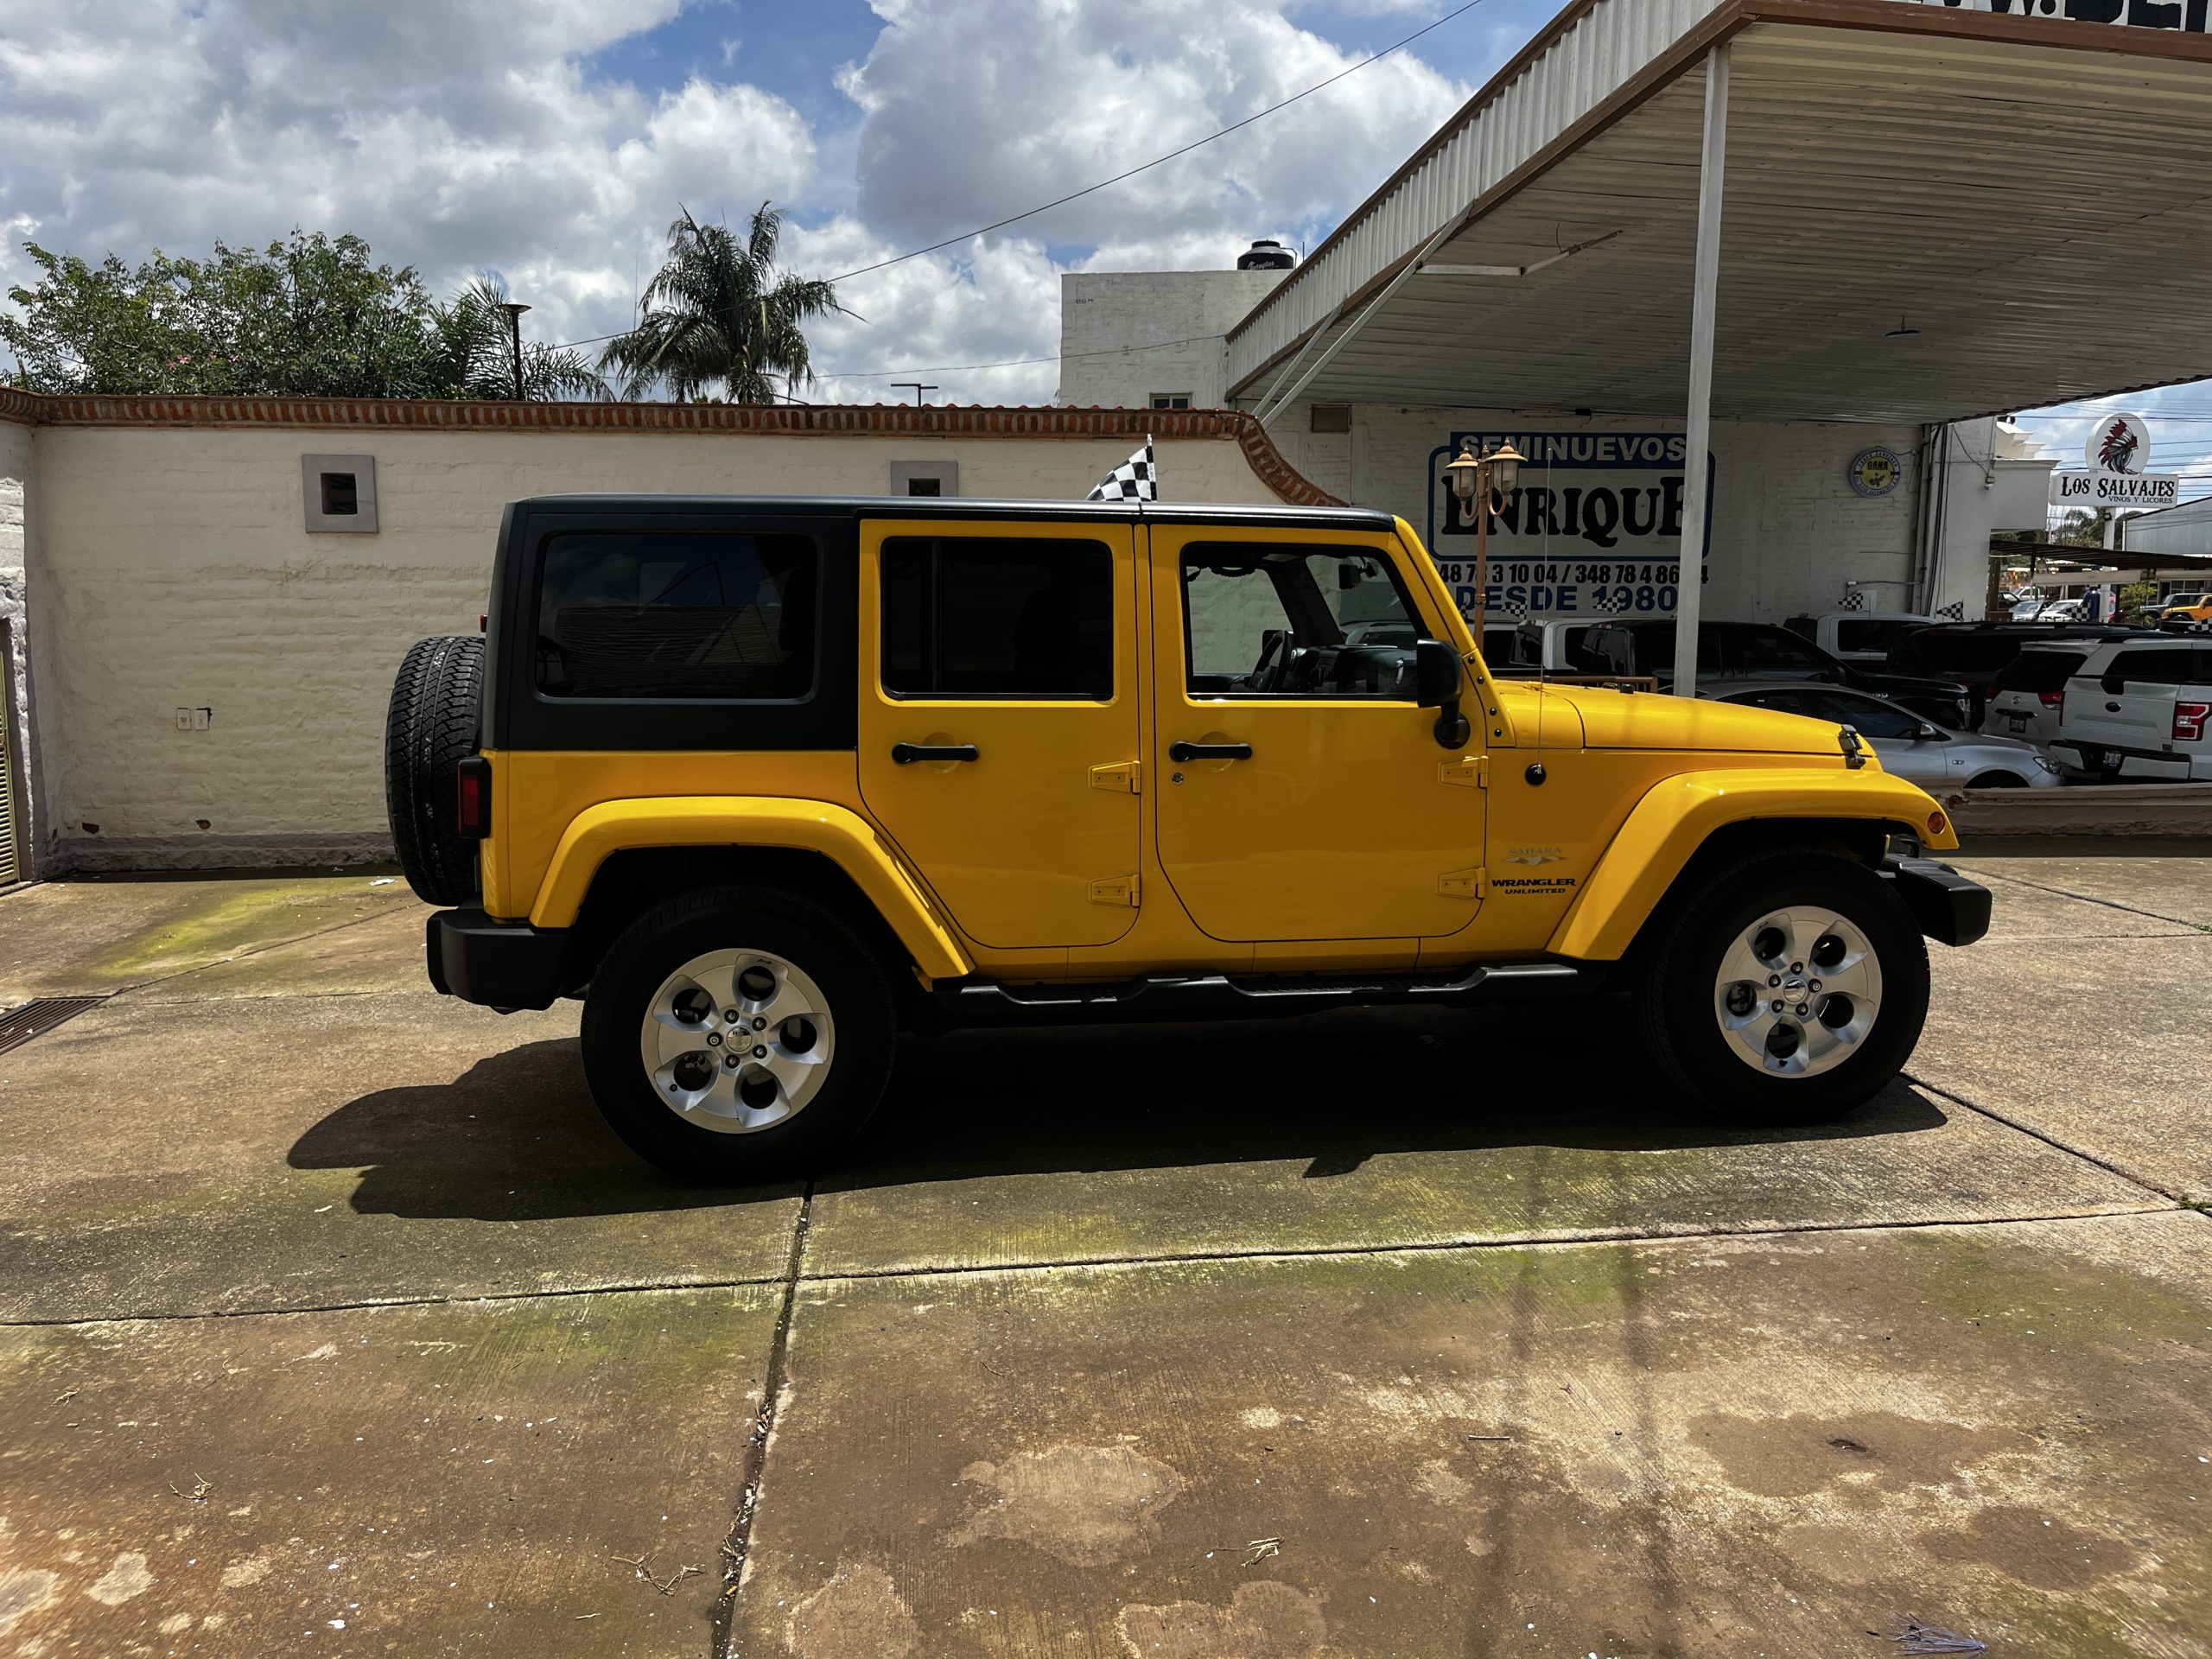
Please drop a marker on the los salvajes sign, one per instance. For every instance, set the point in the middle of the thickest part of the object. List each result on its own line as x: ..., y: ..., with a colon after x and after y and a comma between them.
x: 2188, y: 15
x: 2119, y: 455
x: 1595, y: 526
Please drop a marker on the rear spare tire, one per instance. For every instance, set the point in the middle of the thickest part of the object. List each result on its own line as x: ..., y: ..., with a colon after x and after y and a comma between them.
x: 430, y: 728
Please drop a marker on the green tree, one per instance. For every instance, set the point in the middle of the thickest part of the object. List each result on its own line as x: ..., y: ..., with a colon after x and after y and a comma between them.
x: 311, y: 316
x: 719, y: 314
x: 475, y: 352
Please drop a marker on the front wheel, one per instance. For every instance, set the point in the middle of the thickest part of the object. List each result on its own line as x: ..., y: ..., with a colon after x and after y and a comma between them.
x: 738, y: 1034
x: 1786, y: 987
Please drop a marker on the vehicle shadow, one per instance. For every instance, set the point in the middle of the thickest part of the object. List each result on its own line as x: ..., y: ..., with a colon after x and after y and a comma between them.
x: 517, y: 1137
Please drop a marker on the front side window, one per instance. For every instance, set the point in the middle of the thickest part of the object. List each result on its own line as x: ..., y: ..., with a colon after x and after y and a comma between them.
x: 997, y: 617
x: 676, y: 615
x: 1296, y: 622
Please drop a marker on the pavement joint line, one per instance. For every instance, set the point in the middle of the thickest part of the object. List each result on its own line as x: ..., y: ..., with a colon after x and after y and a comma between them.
x: 2091, y: 899
x: 1421, y: 1247
x: 738, y: 1544
x: 241, y: 956
x: 2049, y: 1140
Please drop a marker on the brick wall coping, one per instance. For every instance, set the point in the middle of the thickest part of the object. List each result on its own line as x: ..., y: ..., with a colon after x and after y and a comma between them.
x: 777, y: 420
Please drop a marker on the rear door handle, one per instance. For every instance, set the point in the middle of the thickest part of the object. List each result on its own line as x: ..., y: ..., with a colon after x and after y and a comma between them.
x: 1210, y: 752
x: 906, y: 753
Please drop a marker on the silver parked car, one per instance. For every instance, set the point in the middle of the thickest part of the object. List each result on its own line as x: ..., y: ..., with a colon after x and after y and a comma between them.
x: 1908, y: 746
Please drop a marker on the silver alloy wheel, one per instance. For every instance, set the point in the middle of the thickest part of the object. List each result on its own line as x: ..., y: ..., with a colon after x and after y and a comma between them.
x: 1798, y: 990
x: 737, y: 1042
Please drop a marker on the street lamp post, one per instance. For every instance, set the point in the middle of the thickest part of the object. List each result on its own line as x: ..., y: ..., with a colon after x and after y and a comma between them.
x: 1483, y: 478
x: 514, y: 311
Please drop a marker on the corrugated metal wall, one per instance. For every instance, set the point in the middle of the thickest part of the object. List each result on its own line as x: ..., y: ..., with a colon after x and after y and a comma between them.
x: 1575, y: 74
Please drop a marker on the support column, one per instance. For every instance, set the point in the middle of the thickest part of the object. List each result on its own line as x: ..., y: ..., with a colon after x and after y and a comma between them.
x: 1689, y: 593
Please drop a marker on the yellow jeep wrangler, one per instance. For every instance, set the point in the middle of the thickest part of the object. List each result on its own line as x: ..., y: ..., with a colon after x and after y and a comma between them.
x: 766, y: 782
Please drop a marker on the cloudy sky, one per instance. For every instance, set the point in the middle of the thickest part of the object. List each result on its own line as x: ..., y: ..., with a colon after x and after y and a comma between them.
x: 552, y: 140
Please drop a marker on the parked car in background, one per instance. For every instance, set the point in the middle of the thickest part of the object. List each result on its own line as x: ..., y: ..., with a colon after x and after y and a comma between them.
x: 1974, y: 653
x: 2063, y: 610
x: 2185, y: 610
x: 1859, y: 636
x: 1759, y: 651
x: 1554, y: 646
x: 2028, y: 693
x: 2139, y: 711
x: 1916, y: 750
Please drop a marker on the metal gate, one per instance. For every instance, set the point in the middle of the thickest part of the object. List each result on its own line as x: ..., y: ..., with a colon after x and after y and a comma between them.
x: 8, y: 873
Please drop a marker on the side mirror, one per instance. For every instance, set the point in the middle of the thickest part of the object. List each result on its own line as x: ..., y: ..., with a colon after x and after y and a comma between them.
x: 1437, y: 680
x: 1436, y: 673
x: 1927, y: 734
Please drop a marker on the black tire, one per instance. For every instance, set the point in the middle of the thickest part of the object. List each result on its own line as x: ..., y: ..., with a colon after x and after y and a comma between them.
x: 1998, y: 780
x: 1676, y: 986
x: 811, y: 938
x: 431, y: 727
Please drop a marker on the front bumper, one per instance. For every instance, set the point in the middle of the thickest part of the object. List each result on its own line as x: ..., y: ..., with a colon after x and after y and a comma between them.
x: 1949, y: 907
x: 500, y: 964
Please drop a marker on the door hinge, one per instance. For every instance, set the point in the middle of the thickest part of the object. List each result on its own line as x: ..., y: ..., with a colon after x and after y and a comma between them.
x: 1465, y: 884
x: 1468, y: 774
x: 1123, y: 777
x: 1119, y: 891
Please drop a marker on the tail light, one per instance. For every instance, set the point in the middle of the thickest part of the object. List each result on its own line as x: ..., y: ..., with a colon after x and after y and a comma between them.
x: 2189, y: 722
x: 2051, y: 699
x: 472, y: 779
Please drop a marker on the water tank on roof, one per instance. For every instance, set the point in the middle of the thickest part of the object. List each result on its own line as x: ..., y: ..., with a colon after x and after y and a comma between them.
x: 1266, y: 256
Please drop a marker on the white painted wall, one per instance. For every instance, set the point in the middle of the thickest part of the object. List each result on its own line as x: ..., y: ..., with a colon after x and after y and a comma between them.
x: 1789, y: 534
x: 17, y: 451
x: 1125, y: 335
x: 172, y: 571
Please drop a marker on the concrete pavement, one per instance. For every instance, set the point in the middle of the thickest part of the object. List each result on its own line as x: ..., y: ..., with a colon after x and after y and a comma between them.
x: 1370, y: 1334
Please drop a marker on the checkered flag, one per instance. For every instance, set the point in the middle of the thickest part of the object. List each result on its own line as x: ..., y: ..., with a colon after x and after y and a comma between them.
x: 1136, y: 478
x: 1855, y: 600
x: 1515, y: 610
x: 1956, y: 610
x: 1609, y: 599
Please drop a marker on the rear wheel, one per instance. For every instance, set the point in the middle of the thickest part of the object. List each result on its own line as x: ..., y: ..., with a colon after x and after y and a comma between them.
x: 1788, y: 988
x: 429, y: 729
x: 738, y: 1034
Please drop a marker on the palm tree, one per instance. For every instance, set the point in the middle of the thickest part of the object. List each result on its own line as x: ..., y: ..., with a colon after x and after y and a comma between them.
x: 719, y: 313
x: 474, y: 356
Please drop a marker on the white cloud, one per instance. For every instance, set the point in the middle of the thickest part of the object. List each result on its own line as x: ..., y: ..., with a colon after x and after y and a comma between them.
x: 453, y: 138
x: 462, y: 137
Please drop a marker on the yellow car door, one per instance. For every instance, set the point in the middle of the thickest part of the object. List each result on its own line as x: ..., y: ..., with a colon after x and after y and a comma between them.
x: 998, y: 720
x: 1304, y: 792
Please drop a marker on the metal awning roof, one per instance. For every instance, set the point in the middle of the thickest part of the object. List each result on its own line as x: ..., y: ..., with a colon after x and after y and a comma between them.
x: 1930, y: 214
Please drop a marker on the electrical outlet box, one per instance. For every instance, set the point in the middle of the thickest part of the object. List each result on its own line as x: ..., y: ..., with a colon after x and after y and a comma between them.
x: 184, y: 720
x: 202, y: 719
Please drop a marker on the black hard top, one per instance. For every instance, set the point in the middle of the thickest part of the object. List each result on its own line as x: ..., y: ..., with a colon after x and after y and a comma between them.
x: 961, y: 506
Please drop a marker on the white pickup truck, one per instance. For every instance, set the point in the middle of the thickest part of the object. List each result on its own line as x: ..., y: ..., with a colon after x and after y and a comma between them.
x: 2139, y: 711
x: 1859, y: 636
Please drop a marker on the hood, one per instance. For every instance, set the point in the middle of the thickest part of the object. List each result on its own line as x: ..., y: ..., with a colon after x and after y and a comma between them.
x: 1613, y: 719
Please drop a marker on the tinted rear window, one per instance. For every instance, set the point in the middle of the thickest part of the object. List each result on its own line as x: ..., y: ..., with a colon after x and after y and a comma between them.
x: 1864, y: 635
x: 2040, y: 670
x: 637, y: 614
x: 2162, y: 665
x: 997, y: 617
x: 1957, y: 653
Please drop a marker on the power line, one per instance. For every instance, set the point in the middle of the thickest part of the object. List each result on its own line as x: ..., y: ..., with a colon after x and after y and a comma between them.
x: 1089, y: 189
x: 1158, y: 161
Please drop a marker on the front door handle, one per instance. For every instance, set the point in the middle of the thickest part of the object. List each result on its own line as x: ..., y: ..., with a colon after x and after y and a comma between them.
x: 906, y: 753
x: 1209, y: 751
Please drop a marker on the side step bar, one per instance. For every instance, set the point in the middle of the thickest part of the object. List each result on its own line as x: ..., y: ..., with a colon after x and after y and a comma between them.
x: 981, y: 1002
